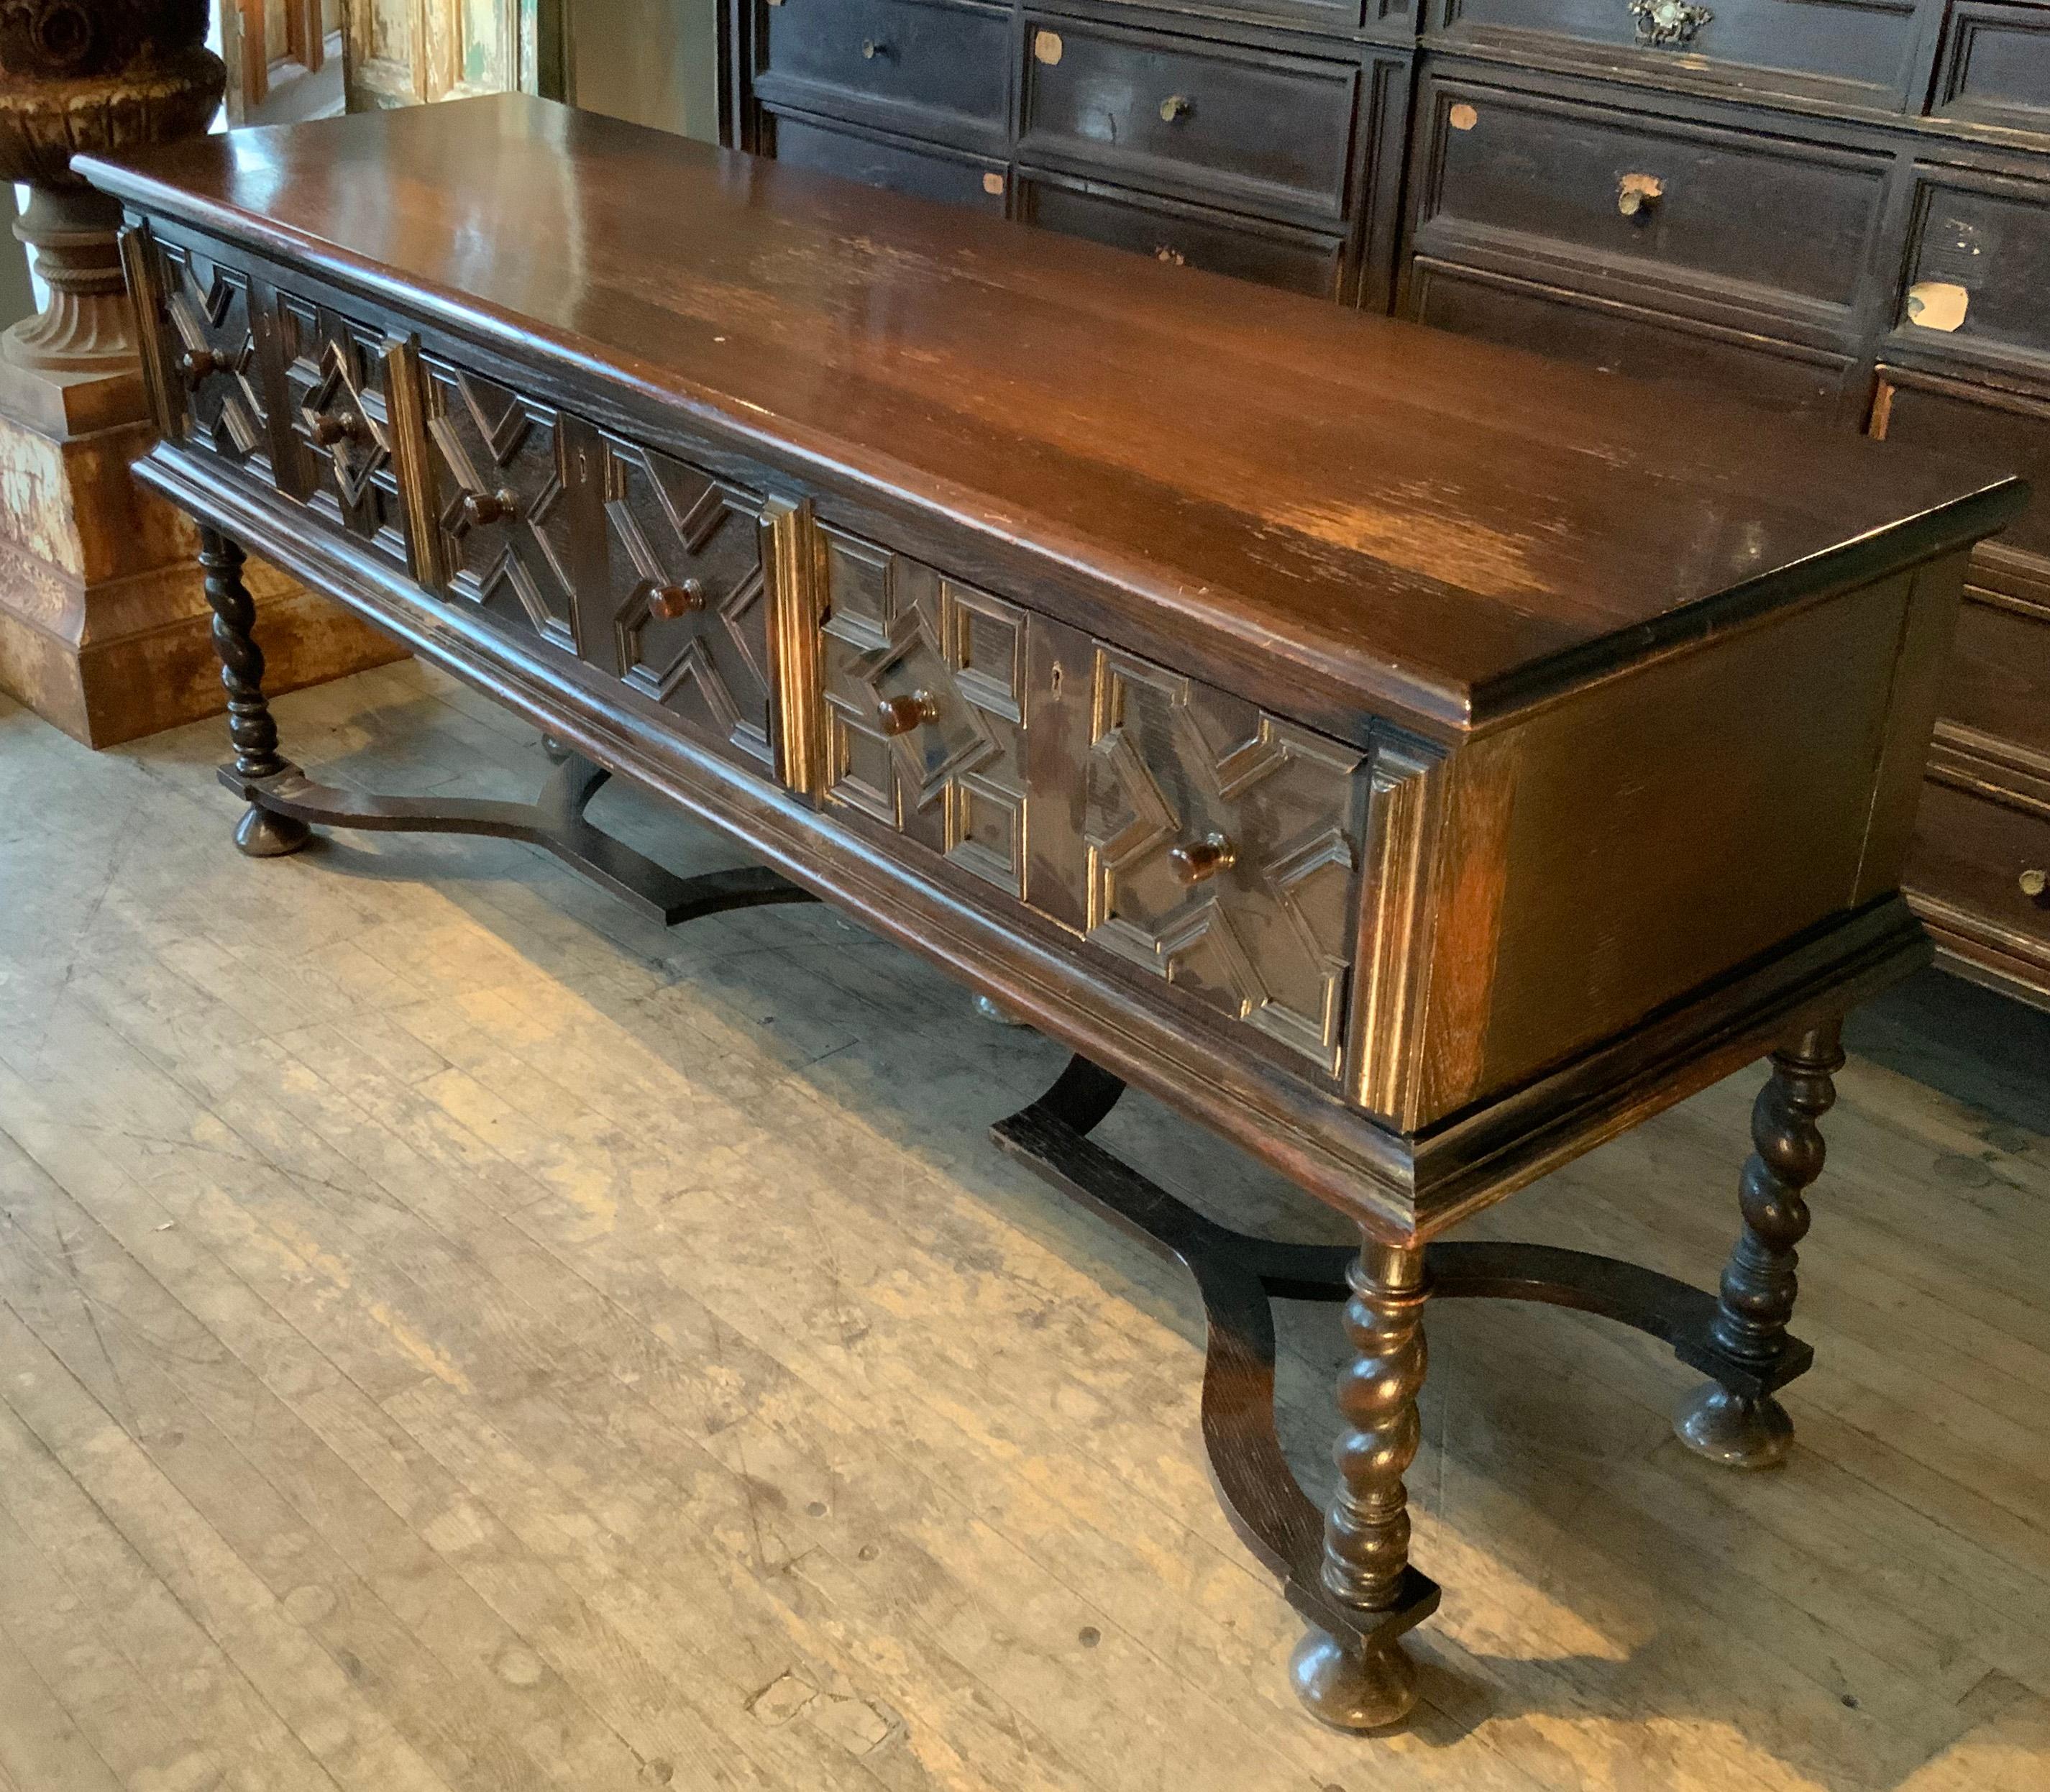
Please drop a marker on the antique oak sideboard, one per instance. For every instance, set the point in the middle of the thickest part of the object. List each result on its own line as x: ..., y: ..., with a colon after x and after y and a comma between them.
x: 1412, y: 760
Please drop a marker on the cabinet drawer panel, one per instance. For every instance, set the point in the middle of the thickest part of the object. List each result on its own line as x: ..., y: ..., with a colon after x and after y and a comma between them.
x: 1995, y: 65
x: 1150, y: 110
x: 499, y: 489
x: 1977, y: 856
x: 685, y: 604
x: 1760, y: 222
x: 1622, y: 339
x: 932, y: 68
x: 1999, y: 680
x: 288, y: 390
x: 1995, y: 428
x: 1979, y: 267
x: 1224, y: 852
x: 1191, y: 837
x: 1189, y: 236
x: 917, y: 169
x: 1798, y: 41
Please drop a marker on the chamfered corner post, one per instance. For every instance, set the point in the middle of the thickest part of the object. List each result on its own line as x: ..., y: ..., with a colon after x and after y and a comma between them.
x: 261, y: 833
x: 1760, y: 1284
x: 1354, y: 1682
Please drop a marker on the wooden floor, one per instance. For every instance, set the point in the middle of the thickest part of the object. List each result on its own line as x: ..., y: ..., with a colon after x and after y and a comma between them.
x: 455, y: 1336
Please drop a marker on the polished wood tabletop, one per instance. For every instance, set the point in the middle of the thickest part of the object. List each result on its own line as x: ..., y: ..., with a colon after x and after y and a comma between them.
x: 1446, y: 529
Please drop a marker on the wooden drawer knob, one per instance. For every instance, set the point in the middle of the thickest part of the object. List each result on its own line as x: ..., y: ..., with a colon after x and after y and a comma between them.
x: 197, y: 364
x: 331, y: 427
x: 1175, y: 107
x: 2035, y: 883
x: 481, y: 507
x: 899, y: 715
x: 668, y: 603
x: 1196, y: 862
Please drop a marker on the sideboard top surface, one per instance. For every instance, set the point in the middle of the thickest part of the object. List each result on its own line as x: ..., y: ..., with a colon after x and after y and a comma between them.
x: 1435, y: 528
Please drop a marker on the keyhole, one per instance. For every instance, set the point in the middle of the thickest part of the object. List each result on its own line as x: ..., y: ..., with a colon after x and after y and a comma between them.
x: 1054, y: 683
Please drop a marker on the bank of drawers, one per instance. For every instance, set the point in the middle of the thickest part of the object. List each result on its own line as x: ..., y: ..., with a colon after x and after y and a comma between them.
x: 1209, y: 850
x: 1154, y: 129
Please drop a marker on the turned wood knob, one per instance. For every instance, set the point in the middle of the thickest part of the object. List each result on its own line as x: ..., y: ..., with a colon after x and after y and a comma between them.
x: 1196, y: 862
x: 899, y: 715
x: 1637, y: 194
x: 480, y: 508
x: 331, y: 427
x: 197, y: 364
x: 1175, y: 107
x: 667, y: 603
x: 2035, y: 882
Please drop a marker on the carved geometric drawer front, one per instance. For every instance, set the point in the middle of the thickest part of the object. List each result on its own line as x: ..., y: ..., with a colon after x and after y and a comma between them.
x: 925, y: 700
x: 215, y: 364
x: 340, y: 424
x: 1223, y: 852
x: 687, y: 595
x: 494, y: 459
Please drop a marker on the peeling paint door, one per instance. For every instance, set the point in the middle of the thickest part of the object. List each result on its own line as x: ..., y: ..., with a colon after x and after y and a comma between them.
x: 406, y: 53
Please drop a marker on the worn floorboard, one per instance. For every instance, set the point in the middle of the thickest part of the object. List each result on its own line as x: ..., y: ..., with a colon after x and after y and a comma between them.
x: 457, y: 1337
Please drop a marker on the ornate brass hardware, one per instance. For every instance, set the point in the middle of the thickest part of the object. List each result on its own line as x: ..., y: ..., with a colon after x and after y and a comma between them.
x: 899, y: 715
x: 196, y: 365
x: 482, y: 508
x: 333, y: 427
x: 1666, y: 23
x: 1637, y: 194
x: 668, y: 603
x: 2035, y: 883
x: 1196, y: 862
x: 1175, y: 107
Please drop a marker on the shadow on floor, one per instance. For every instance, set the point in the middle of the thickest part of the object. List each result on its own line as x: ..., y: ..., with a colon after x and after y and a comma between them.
x: 1972, y: 1045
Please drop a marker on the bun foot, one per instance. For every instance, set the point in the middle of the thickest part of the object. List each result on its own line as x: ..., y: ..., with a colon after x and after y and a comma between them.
x: 1354, y: 1685
x: 1737, y: 1432
x: 264, y: 834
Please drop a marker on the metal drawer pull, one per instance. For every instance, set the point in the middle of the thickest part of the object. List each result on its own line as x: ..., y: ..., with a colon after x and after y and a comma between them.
x: 872, y: 48
x: 1196, y: 862
x: 1175, y: 107
x: 668, y: 603
x: 197, y: 364
x: 1666, y: 23
x: 1636, y: 194
x: 2035, y: 883
x: 333, y: 427
x: 899, y: 715
x: 480, y: 508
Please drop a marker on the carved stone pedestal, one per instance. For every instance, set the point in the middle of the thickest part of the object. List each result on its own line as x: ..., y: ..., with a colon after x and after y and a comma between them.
x: 104, y: 627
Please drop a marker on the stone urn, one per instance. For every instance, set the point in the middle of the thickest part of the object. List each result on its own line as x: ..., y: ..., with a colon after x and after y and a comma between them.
x: 100, y: 76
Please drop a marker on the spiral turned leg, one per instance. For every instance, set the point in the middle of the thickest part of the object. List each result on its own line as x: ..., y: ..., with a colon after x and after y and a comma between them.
x: 1759, y: 1285
x: 1348, y: 1683
x: 260, y: 833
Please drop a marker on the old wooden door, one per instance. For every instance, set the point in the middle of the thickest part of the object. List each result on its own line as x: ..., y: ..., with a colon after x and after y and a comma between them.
x: 283, y: 57
x: 406, y: 53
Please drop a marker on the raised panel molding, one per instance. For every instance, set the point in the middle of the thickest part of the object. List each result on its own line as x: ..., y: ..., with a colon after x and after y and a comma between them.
x: 898, y: 631
x: 671, y: 528
x: 1222, y: 852
x: 499, y: 514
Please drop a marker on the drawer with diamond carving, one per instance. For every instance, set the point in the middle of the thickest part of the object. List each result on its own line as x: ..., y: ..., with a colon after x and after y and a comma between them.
x: 682, y: 613
x: 289, y: 391
x: 1193, y: 839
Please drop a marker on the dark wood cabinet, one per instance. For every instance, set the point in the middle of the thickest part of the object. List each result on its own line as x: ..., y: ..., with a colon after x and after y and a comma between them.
x: 1838, y: 207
